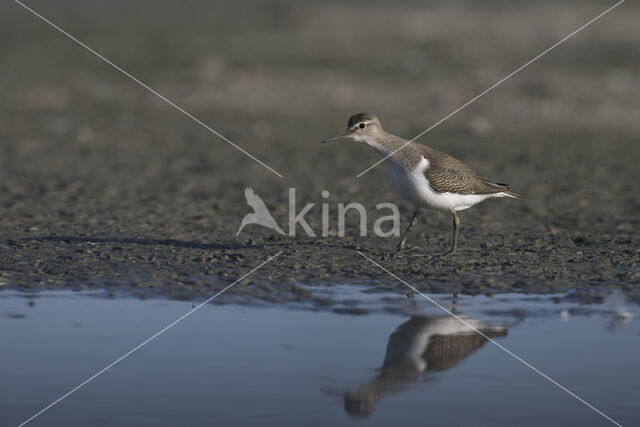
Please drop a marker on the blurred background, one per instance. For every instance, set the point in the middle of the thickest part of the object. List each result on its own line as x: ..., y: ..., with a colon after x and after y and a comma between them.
x: 86, y: 153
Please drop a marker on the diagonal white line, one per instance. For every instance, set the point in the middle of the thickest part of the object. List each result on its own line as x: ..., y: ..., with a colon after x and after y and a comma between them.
x: 496, y: 84
x: 494, y: 342
x: 133, y: 350
x: 153, y: 91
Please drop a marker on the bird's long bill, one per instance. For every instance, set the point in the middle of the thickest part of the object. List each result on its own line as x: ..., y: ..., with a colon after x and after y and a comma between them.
x: 338, y: 137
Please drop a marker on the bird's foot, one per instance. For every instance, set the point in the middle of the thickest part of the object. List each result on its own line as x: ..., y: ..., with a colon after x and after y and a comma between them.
x: 398, y: 249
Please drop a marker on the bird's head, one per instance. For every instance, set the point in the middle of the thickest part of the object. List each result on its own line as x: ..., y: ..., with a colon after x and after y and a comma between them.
x: 360, y: 403
x: 361, y: 127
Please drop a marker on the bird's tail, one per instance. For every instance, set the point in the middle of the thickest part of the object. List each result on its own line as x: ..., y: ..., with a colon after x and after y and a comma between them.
x: 514, y: 195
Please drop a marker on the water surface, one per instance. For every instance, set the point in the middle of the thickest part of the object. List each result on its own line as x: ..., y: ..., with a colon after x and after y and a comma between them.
x: 401, y: 361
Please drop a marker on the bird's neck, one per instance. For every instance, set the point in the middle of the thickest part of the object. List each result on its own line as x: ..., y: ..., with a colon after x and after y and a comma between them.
x: 384, y: 143
x: 396, y: 151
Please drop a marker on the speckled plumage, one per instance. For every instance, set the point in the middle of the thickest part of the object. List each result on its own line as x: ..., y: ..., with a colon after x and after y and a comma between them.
x: 447, y: 174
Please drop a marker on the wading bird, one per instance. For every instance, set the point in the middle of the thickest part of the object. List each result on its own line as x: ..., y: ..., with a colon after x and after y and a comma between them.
x: 421, y: 345
x: 423, y: 176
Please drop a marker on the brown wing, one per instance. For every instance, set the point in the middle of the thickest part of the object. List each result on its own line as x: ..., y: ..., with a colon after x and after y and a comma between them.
x: 447, y: 174
x: 446, y: 351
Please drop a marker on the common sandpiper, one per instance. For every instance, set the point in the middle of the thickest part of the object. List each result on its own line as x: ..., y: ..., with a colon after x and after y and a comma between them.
x: 423, y: 176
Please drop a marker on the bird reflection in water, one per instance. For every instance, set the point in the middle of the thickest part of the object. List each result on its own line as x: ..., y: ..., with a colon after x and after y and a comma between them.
x: 418, y: 346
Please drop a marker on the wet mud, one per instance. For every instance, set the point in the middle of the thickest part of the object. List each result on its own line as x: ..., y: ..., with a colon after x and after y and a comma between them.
x: 103, y: 185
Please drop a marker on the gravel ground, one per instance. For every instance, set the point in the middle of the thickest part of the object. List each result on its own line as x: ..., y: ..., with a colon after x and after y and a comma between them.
x: 102, y: 184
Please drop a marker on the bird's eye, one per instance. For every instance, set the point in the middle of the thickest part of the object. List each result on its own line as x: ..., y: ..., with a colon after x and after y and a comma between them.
x: 362, y: 126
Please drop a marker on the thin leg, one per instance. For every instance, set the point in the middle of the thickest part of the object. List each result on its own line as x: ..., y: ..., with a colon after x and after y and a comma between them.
x: 454, y: 303
x: 456, y: 226
x: 414, y: 220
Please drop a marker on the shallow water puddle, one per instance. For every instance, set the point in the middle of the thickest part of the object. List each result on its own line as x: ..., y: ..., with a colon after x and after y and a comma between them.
x: 403, y: 363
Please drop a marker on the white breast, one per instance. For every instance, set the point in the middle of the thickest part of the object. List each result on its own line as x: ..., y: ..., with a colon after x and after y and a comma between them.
x: 414, y: 187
